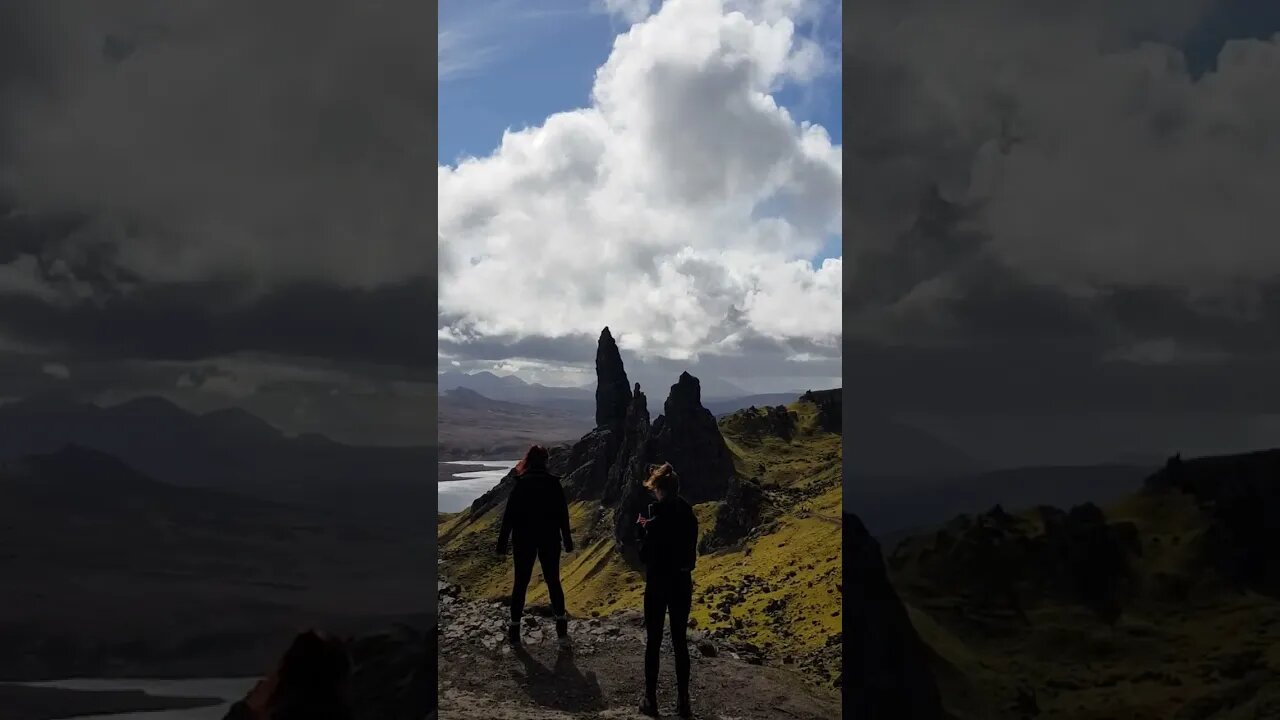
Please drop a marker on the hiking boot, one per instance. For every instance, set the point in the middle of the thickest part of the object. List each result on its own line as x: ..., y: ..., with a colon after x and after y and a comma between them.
x: 649, y: 705
x: 683, y: 708
x: 513, y: 633
x: 562, y: 630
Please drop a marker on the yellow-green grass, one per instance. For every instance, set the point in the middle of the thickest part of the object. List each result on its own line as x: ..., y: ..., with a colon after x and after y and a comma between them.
x: 802, y: 535
x: 1161, y: 655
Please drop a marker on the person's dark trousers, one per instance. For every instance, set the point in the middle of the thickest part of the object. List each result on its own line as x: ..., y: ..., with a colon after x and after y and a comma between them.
x: 667, y: 594
x: 548, y: 554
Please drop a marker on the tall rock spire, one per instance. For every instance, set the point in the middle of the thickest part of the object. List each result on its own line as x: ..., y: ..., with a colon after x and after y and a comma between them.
x: 613, y: 391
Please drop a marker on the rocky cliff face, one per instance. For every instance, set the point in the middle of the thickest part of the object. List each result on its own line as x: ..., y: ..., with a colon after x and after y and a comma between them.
x: 886, y: 658
x: 626, y: 490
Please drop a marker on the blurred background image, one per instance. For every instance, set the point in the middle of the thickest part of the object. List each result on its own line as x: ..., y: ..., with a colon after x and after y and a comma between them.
x: 1061, y: 311
x: 216, y: 383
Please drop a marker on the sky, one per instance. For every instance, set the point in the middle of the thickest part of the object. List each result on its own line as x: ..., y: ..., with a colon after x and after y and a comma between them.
x: 223, y: 203
x: 1060, y: 216
x: 1061, y: 224
x: 672, y: 172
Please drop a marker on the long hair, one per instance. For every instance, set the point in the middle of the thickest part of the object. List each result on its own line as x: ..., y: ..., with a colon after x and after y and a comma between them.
x: 663, y: 477
x: 534, y: 460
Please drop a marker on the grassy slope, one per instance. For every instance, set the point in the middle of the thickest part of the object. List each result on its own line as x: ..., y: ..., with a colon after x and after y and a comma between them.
x: 803, y: 477
x: 1216, y: 654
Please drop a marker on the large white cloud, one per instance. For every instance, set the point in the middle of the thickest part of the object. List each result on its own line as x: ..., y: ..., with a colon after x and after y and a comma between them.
x: 681, y: 207
x: 1125, y: 168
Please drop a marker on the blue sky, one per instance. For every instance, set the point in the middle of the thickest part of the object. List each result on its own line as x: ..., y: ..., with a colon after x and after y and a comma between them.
x: 507, y: 64
x: 1230, y: 19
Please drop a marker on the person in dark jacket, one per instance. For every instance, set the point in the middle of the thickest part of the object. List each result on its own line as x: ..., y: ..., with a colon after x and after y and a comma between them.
x: 669, y: 549
x: 537, y: 522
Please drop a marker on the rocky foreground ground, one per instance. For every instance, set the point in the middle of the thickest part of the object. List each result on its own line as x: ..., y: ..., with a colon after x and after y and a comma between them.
x: 601, y: 673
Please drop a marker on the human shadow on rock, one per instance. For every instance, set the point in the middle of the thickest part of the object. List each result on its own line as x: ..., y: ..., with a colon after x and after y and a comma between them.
x: 563, y: 687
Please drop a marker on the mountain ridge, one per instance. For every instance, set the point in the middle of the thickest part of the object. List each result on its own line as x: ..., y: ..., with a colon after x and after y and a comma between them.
x: 228, y: 449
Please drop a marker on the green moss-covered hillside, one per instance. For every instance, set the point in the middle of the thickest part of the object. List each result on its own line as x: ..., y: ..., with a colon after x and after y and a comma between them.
x: 1115, y: 613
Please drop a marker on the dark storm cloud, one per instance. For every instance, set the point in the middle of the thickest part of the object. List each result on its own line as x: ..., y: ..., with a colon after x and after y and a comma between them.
x: 191, y: 321
x: 1049, y: 209
x: 1020, y: 377
x: 568, y: 350
x: 190, y: 181
x: 767, y: 362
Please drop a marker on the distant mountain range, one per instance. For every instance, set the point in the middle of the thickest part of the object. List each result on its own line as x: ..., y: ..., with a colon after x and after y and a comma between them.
x: 472, y: 425
x: 483, y: 415
x: 892, y: 511
x: 107, y: 570
x: 899, y: 478
x: 510, y: 388
x: 881, y: 447
x: 231, y: 450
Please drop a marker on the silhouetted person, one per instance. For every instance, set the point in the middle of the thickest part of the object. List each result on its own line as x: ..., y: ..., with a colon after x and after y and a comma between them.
x: 668, y: 548
x: 308, y: 684
x: 537, y: 522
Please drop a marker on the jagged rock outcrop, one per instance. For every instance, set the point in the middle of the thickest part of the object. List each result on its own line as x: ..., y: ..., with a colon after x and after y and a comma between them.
x: 610, y: 464
x: 774, y: 421
x: 1241, y: 496
x: 1089, y: 559
x: 1003, y: 562
x: 687, y: 436
x: 736, y: 516
x: 830, y: 404
x: 885, y: 658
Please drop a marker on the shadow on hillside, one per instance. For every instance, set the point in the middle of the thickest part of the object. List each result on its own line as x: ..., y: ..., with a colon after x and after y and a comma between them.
x: 563, y: 688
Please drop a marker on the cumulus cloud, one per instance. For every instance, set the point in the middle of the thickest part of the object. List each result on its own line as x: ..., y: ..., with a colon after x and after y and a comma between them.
x: 682, y: 207
x: 57, y: 370
x: 1062, y: 206
x: 1090, y: 161
x: 632, y: 11
x: 1100, y: 192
